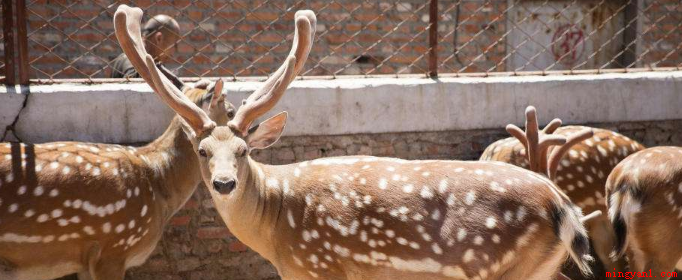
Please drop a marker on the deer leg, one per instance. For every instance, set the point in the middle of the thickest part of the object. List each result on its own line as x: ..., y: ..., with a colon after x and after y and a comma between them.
x: 561, y: 276
x: 108, y: 270
x: 100, y: 269
x: 6, y: 266
x: 7, y: 269
x: 84, y: 275
x: 654, y: 261
x: 602, y: 239
x: 91, y: 257
x: 660, y: 266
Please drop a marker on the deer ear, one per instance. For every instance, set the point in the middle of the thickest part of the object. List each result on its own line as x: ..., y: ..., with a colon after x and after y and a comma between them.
x: 267, y: 132
x: 187, y: 129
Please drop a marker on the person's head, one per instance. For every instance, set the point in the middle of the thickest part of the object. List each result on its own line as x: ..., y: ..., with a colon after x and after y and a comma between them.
x: 161, y: 33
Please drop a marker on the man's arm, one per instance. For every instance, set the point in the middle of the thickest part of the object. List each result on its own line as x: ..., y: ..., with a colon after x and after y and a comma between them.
x: 174, y: 79
x: 122, y: 68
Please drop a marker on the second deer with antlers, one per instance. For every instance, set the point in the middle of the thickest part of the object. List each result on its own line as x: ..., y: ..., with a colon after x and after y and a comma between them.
x: 579, y: 168
x: 369, y: 217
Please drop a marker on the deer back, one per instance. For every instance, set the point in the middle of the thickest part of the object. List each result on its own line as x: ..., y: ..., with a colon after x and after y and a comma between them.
x: 437, y: 219
x: 582, y: 171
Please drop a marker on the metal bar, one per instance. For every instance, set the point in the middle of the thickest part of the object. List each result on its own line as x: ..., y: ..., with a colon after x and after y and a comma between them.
x: 629, y: 55
x: 8, y: 41
x: 383, y: 76
x: 433, y: 38
x: 22, y: 42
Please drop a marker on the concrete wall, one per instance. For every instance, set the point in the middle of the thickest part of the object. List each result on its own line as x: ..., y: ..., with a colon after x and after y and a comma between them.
x: 131, y: 113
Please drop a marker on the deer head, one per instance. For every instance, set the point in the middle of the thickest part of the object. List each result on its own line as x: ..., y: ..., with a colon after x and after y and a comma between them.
x: 223, y: 148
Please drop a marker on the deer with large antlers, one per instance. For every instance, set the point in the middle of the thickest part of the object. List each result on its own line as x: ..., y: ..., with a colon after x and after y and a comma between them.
x: 644, y: 197
x: 579, y: 167
x: 369, y: 217
x: 94, y: 209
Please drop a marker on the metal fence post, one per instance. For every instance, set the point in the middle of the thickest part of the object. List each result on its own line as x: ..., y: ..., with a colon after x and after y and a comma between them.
x: 433, y: 38
x: 22, y: 42
x: 8, y: 41
x: 630, y: 18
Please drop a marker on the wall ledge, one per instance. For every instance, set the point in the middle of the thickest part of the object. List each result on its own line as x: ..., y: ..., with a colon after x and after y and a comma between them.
x: 131, y: 113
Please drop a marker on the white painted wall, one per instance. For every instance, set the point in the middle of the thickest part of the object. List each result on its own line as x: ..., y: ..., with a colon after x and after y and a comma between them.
x: 128, y: 113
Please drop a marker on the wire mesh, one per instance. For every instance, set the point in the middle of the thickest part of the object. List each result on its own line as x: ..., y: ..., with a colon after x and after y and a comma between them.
x: 239, y: 38
x: 543, y: 35
x: 2, y: 46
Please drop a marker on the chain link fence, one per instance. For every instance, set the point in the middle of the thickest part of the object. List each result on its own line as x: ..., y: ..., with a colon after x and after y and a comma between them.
x: 3, y: 68
x: 239, y: 38
x: 544, y: 35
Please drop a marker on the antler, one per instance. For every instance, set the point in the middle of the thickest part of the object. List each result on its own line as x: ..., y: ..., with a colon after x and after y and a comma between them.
x: 552, y: 126
x: 555, y: 158
x: 127, y: 27
x: 536, y: 145
x: 263, y: 99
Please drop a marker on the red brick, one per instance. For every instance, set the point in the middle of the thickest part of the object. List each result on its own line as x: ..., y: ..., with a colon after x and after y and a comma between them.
x: 237, y: 246
x: 191, y: 204
x: 213, y: 233
x: 180, y: 221
x: 262, y: 16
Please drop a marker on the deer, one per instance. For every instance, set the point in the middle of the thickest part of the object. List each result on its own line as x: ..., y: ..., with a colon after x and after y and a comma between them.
x: 644, y: 194
x: 364, y: 217
x: 96, y: 209
x: 579, y: 168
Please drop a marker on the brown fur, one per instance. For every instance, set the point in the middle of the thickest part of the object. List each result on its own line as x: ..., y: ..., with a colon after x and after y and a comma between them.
x: 51, y: 192
x: 593, y: 158
x: 645, y: 197
x: 281, y: 220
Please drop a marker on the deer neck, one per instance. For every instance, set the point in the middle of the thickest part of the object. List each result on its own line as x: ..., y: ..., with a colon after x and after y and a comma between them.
x: 172, y: 167
x: 251, y: 213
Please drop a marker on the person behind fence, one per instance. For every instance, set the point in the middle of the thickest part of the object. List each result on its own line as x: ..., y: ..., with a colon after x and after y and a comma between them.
x: 161, y: 33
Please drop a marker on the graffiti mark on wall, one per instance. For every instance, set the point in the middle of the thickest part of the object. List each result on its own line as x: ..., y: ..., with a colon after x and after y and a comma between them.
x: 568, y: 44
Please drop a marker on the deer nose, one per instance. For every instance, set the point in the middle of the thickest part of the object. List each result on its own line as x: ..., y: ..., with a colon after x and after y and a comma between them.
x: 224, y: 187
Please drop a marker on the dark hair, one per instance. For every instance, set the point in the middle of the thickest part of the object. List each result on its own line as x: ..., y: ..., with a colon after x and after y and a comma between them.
x: 160, y: 23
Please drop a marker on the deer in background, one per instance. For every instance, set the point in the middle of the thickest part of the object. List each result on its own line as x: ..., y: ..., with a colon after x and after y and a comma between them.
x: 94, y: 209
x: 363, y: 217
x: 644, y: 197
x: 579, y: 168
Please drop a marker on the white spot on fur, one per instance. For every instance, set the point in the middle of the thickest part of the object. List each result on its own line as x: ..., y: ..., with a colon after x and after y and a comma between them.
x: 106, y: 227
x: 470, y: 198
x: 290, y: 217
x: 468, y: 256
x: 490, y: 222
x: 383, y: 183
x: 144, y: 211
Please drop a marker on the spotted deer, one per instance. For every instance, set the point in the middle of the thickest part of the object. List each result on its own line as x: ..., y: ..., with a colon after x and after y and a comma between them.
x: 94, y: 209
x: 579, y: 168
x: 644, y: 197
x: 363, y: 217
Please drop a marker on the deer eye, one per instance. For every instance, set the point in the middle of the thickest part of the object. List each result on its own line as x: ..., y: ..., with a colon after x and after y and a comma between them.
x: 242, y: 153
x: 202, y: 152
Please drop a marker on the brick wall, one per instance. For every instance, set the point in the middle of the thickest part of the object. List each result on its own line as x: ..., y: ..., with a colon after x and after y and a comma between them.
x: 197, y: 246
x: 664, y: 40
x: 74, y: 39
